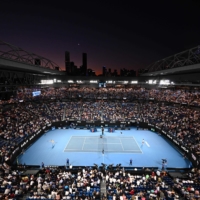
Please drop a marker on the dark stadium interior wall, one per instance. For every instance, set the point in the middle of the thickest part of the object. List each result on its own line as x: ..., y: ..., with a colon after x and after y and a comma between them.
x: 6, y: 95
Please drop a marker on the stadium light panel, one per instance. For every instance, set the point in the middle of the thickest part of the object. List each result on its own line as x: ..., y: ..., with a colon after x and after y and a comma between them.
x: 46, y: 81
x: 164, y: 82
x: 134, y: 82
x: 152, y: 82
x: 93, y: 81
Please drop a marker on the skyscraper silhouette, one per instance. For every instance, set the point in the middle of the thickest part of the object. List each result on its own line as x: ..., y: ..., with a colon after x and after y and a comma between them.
x: 104, y: 70
x: 84, y: 66
x: 67, y: 62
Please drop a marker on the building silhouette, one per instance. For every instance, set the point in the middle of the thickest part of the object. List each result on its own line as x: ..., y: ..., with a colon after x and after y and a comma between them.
x: 84, y: 66
x: 67, y: 62
x: 104, y: 71
x: 126, y: 72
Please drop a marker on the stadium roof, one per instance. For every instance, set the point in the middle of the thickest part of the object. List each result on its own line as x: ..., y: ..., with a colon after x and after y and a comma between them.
x: 185, y: 62
x: 17, y: 59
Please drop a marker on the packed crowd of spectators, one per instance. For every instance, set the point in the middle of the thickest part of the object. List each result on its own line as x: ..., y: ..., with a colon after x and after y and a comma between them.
x: 85, y: 184
x: 20, y: 120
x: 11, y: 183
x: 189, y: 187
x: 57, y: 183
x: 150, y: 184
x: 186, y: 96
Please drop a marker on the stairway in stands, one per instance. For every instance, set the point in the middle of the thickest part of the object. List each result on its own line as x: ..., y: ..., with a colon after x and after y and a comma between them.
x: 103, y: 187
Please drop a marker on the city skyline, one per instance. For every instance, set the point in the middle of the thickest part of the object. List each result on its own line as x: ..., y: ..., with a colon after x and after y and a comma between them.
x: 115, y: 35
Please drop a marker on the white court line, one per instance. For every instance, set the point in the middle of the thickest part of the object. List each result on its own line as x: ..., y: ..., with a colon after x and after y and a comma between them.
x: 147, y: 143
x: 102, y: 143
x: 106, y: 150
x: 67, y: 144
x: 83, y: 143
x: 122, y: 145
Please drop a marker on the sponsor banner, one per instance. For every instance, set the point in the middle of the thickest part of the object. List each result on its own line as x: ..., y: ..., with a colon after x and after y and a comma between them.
x: 185, y: 149
x: 169, y: 136
x: 24, y: 143
x: 32, y: 137
x: 175, y: 141
x: 194, y: 157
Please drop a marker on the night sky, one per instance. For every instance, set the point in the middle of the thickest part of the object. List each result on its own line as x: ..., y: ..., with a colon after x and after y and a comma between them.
x: 115, y: 35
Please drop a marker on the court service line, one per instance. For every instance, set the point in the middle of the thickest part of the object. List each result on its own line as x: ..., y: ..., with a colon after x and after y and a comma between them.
x: 102, y: 143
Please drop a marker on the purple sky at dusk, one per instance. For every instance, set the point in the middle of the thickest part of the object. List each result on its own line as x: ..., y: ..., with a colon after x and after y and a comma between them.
x: 115, y: 35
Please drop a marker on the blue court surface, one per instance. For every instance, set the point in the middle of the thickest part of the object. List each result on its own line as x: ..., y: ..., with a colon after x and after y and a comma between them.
x: 85, y: 148
x: 114, y: 144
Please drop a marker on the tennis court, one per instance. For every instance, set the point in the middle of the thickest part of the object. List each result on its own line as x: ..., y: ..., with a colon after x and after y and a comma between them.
x: 84, y: 148
x: 106, y: 143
